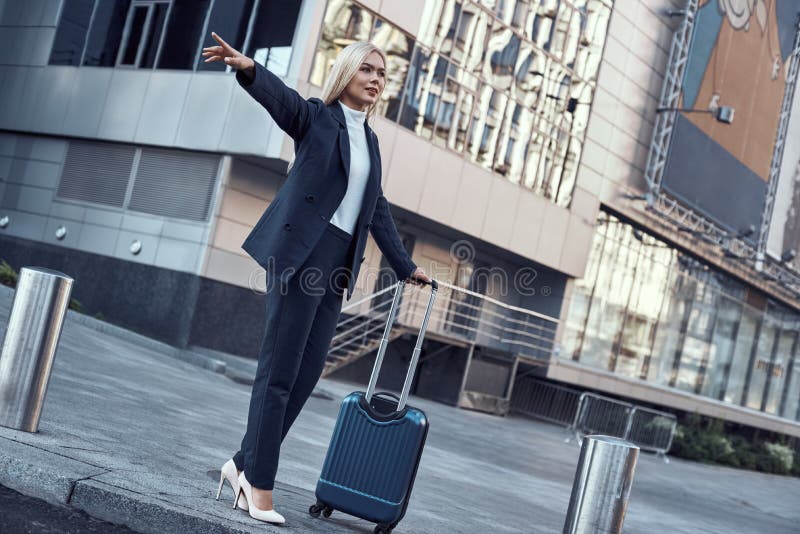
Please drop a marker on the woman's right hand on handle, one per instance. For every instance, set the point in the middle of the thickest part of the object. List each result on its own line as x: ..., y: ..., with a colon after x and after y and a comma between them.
x: 226, y: 53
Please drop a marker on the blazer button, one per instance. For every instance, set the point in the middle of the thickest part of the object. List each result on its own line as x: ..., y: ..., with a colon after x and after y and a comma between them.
x: 369, y: 225
x: 287, y: 227
x: 309, y: 198
x: 363, y: 258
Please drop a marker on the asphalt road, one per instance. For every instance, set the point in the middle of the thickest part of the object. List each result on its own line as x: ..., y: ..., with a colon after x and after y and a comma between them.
x: 25, y: 515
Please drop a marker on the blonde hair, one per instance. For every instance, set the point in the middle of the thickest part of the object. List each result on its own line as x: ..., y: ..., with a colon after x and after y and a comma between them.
x: 345, y: 67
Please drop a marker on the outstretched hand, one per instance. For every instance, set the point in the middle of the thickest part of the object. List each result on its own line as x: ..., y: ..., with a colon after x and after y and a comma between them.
x: 226, y: 53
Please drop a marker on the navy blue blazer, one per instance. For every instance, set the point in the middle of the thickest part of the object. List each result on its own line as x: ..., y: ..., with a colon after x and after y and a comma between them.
x: 295, y: 220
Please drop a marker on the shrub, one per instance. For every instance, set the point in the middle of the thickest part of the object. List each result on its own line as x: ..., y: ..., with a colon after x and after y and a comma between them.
x: 709, y: 442
x: 75, y: 304
x: 8, y: 276
x: 778, y: 458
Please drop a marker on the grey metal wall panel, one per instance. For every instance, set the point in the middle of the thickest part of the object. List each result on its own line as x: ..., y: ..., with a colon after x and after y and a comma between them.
x: 29, y: 99
x: 50, y: 12
x: 70, y: 239
x: 54, y: 95
x: 12, y: 12
x: 64, y: 210
x: 205, y: 111
x: 37, y: 44
x: 123, y: 104
x: 161, y: 108
x: 147, y: 253
x: 8, y: 143
x: 178, y: 255
x: 12, y: 85
x: 248, y: 127
x: 25, y: 225
x: 184, y: 231
x: 35, y: 200
x: 143, y: 223
x: 86, y: 102
x: 43, y: 174
x: 10, y: 196
x: 101, y: 217
x: 31, y: 14
x: 49, y: 149
x: 98, y: 239
x: 5, y: 167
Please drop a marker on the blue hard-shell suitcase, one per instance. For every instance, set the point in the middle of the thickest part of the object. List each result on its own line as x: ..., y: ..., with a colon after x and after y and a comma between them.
x: 376, y: 446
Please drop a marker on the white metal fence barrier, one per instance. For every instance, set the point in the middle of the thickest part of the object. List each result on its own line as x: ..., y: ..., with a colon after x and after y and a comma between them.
x: 544, y: 400
x: 586, y: 413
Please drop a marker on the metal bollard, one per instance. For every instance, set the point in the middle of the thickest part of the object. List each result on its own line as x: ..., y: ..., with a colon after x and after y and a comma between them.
x: 602, y: 486
x: 34, y: 327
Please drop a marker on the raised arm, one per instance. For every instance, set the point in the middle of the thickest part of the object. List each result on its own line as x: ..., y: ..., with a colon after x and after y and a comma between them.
x: 385, y: 233
x: 291, y: 112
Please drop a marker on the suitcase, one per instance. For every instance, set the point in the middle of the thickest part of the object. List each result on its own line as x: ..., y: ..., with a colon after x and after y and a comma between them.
x: 376, y: 446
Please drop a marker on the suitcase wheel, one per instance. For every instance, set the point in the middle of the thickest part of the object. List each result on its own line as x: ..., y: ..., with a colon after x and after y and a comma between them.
x: 382, y: 529
x: 316, y: 509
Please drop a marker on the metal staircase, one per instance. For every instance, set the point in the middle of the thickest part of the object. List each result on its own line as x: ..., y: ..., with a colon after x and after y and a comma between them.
x: 477, y: 320
x: 359, y: 334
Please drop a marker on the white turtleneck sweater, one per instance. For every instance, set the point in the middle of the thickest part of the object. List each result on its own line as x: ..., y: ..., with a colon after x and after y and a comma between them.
x: 346, y: 214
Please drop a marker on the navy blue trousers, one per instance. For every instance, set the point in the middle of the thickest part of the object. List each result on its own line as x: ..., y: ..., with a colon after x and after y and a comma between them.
x: 301, y: 321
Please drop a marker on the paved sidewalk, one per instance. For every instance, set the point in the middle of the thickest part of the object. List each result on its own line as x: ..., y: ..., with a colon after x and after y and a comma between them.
x: 133, y: 435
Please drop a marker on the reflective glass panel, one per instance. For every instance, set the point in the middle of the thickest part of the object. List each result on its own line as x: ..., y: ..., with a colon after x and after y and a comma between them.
x: 344, y: 23
x: 106, y: 33
x: 229, y: 19
x: 777, y: 370
x: 767, y: 339
x: 182, y: 38
x: 73, y: 26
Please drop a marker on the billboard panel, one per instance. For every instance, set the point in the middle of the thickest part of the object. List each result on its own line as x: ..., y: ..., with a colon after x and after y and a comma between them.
x: 739, y: 57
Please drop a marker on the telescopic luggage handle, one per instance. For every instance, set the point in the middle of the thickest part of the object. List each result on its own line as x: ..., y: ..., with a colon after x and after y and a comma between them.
x: 376, y: 369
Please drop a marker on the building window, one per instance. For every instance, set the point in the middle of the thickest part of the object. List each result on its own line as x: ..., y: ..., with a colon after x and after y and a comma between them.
x: 229, y: 19
x: 182, y: 38
x: 71, y: 33
x: 105, y: 36
x: 647, y: 310
x: 460, y: 82
x: 270, y: 42
x: 169, y: 34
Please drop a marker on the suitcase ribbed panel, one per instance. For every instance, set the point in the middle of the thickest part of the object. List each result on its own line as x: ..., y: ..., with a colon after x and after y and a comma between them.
x: 373, y: 458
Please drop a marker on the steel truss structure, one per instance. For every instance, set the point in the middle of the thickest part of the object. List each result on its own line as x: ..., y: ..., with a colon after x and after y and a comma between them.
x: 686, y: 219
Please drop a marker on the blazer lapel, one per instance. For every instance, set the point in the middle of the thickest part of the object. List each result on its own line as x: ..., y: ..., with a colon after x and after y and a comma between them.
x: 343, y: 138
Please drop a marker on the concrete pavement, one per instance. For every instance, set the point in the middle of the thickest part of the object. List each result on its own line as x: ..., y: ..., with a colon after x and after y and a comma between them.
x: 134, y: 433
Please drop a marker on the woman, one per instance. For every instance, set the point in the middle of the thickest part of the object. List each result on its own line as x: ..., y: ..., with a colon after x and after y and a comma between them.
x: 315, y: 228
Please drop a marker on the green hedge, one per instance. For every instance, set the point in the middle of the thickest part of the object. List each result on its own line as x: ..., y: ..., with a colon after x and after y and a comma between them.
x: 706, y: 440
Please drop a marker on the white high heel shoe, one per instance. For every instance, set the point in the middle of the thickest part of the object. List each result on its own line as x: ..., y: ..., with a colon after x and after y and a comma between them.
x: 229, y: 473
x: 269, y: 516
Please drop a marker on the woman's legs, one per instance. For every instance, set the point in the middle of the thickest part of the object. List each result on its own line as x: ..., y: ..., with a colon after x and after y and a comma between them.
x: 300, y: 323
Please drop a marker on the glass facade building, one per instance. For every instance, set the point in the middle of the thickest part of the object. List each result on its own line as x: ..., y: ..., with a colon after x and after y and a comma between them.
x: 647, y: 310
x: 508, y: 84
x: 169, y: 34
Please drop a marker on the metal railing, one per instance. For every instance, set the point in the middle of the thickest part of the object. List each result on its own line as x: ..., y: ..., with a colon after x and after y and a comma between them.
x: 586, y: 413
x: 459, y: 315
x: 647, y: 428
x: 545, y: 400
